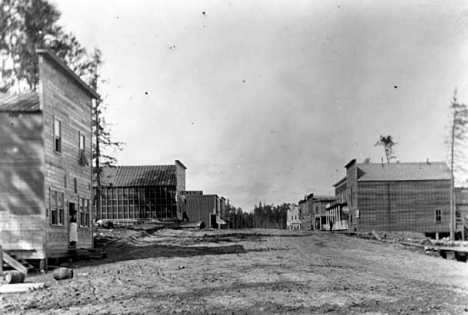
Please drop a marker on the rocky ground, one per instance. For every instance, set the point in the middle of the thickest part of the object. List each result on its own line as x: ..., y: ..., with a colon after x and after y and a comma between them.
x: 249, y: 272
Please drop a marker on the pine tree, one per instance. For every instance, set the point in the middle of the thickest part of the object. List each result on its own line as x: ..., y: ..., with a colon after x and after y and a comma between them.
x: 26, y: 25
x: 387, y: 143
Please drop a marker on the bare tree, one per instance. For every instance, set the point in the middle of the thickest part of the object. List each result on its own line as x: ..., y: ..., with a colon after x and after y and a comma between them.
x: 388, y: 144
x: 458, y: 131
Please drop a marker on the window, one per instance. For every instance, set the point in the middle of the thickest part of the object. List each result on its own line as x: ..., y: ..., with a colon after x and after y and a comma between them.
x: 75, y: 185
x: 82, y: 143
x: 438, y: 215
x: 53, y: 208
x: 57, y: 135
x: 82, y: 147
x: 57, y: 209
x: 84, y: 212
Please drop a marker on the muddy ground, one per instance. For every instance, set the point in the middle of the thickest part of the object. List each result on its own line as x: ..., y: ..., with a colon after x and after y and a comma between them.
x: 250, y: 272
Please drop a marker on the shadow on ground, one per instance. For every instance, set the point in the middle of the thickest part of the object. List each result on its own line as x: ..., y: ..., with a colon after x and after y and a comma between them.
x: 124, y: 252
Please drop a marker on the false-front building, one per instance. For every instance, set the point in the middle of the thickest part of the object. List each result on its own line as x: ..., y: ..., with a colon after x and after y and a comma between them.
x: 45, y: 146
x: 293, y: 218
x: 392, y: 197
x: 142, y: 192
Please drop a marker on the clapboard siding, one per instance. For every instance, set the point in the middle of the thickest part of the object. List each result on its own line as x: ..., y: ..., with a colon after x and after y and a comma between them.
x: 200, y: 208
x: 404, y: 205
x: 22, y: 184
x: 64, y: 99
x: 29, y: 167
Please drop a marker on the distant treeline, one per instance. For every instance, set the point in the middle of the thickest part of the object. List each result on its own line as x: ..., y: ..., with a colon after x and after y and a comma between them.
x: 263, y: 217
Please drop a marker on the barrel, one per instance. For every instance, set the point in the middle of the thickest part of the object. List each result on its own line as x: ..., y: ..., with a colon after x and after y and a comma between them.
x: 13, y: 276
x: 63, y: 273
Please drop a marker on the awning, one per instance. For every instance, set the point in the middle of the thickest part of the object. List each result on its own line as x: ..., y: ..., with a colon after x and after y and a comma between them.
x: 333, y: 205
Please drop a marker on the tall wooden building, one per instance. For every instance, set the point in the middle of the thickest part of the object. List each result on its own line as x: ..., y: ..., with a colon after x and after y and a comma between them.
x: 393, y: 197
x: 317, y: 208
x: 142, y: 192
x: 45, y: 146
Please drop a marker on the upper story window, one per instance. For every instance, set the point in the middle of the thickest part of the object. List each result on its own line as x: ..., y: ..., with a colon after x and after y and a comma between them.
x: 57, y: 135
x: 438, y: 215
x: 82, y: 143
x: 82, y: 146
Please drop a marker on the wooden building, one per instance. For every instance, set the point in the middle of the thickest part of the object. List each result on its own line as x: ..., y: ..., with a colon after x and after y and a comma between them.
x: 461, y: 210
x: 206, y: 208
x: 461, y: 202
x: 317, y: 205
x: 142, y: 192
x: 305, y: 216
x: 45, y: 146
x: 393, y: 197
x: 293, y: 217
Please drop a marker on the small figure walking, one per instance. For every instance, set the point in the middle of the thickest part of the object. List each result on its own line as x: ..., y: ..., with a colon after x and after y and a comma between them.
x: 331, y: 226
x: 73, y: 236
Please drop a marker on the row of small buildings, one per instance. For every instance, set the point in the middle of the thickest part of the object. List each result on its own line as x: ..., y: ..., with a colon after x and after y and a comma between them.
x: 385, y: 197
x: 46, y: 181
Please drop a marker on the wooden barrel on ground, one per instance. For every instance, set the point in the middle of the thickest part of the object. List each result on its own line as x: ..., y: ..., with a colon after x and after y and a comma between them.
x: 63, y: 273
x: 13, y: 276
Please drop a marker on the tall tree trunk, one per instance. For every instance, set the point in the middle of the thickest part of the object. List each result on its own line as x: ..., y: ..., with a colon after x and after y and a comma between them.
x: 98, y: 167
x: 452, y: 181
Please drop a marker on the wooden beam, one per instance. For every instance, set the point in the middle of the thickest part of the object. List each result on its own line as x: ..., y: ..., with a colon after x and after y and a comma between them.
x: 1, y: 263
x: 14, y: 263
x: 20, y: 287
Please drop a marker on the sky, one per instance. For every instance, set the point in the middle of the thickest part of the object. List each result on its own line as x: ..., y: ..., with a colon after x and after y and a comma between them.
x: 267, y: 100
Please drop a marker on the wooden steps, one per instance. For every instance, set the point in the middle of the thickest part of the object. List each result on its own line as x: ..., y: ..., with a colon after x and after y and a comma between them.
x: 14, y: 263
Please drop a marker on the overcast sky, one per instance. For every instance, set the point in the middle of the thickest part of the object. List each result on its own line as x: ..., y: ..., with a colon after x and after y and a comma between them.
x: 268, y: 100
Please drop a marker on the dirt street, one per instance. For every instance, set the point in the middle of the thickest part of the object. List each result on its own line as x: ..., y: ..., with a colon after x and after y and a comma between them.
x: 251, y: 272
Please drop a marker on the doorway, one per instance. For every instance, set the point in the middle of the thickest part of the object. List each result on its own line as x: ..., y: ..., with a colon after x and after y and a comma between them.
x: 73, y: 225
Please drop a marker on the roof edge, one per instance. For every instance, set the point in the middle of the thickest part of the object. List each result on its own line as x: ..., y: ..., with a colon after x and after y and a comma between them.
x: 350, y: 163
x: 180, y: 163
x: 403, y: 180
x: 340, y: 181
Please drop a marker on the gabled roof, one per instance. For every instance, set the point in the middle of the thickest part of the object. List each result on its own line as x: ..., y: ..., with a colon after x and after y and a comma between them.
x: 25, y: 103
x: 403, y: 171
x: 147, y: 175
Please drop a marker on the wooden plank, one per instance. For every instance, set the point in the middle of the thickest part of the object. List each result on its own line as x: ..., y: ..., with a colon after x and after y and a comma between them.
x: 20, y: 287
x: 376, y: 236
x: 14, y: 263
x: 454, y: 249
x: 413, y: 244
